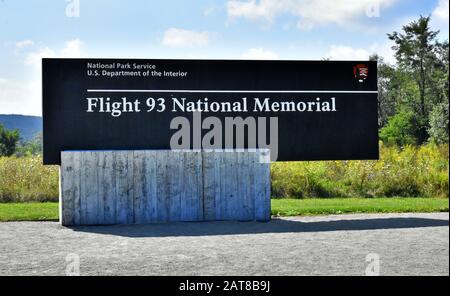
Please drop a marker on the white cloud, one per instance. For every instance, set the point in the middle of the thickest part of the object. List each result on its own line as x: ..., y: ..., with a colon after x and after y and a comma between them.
x: 441, y: 11
x: 175, y: 37
x: 259, y: 54
x: 343, y: 52
x: 209, y: 11
x: 266, y: 9
x: 440, y: 18
x: 72, y: 49
x: 24, y: 97
x: 24, y: 43
x: 384, y: 50
x: 19, y: 97
x: 34, y: 58
x: 309, y: 13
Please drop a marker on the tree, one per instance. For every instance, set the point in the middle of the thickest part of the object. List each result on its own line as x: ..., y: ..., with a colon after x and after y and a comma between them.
x: 33, y: 147
x: 390, y: 90
x: 384, y: 103
x: 400, y: 129
x: 439, y: 77
x: 416, y: 51
x: 439, y: 124
x: 439, y: 115
x: 8, y: 141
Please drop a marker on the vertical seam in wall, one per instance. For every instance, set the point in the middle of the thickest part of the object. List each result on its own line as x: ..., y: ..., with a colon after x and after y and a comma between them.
x: 79, y: 187
x: 203, y: 185
x: 133, y: 184
x: 100, y: 219
x: 82, y: 200
x: 255, y: 177
x: 114, y: 167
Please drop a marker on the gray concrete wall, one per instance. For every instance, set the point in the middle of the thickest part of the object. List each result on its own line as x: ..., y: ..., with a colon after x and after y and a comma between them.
x: 145, y: 186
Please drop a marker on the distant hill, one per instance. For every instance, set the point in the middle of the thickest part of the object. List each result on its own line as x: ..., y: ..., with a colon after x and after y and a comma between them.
x: 28, y: 126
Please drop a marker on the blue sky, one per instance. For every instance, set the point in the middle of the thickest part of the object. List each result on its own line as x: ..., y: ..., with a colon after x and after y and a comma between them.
x: 238, y: 29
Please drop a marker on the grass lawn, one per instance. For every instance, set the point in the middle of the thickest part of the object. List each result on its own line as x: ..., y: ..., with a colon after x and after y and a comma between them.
x: 320, y: 206
x: 45, y: 211
x: 280, y: 207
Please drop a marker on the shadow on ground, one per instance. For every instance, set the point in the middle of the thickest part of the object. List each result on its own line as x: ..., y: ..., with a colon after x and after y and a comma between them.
x: 275, y: 226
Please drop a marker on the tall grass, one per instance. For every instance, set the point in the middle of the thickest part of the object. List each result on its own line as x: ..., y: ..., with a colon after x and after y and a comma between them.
x: 407, y: 172
x: 24, y: 179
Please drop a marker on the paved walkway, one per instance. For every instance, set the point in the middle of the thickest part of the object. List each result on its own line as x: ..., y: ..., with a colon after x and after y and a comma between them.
x: 406, y: 244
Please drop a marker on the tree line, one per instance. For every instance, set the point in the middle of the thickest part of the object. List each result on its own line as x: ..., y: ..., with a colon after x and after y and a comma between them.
x: 413, y: 98
x: 11, y: 143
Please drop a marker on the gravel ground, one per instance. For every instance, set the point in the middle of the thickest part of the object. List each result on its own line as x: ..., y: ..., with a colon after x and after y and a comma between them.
x: 407, y: 244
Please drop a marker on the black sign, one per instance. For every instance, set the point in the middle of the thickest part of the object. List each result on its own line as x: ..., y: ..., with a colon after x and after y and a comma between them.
x: 305, y: 110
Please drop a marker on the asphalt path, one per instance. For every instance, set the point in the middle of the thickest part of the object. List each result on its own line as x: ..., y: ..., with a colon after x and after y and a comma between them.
x: 380, y: 244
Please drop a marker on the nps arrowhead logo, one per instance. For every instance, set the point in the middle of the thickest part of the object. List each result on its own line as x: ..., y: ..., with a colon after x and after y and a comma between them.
x: 361, y: 72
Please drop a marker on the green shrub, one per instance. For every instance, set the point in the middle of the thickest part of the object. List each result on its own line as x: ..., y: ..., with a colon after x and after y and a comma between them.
x: 400, y: 130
